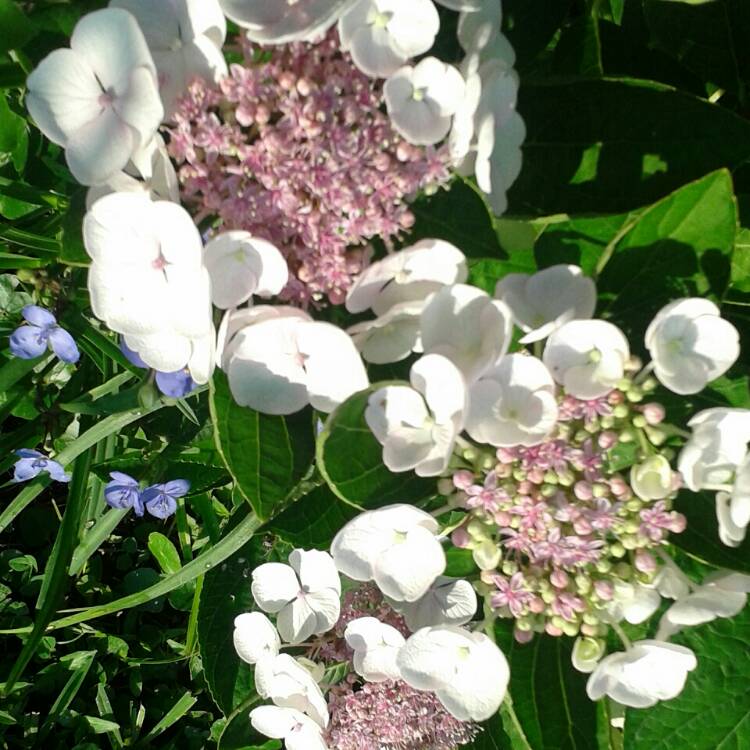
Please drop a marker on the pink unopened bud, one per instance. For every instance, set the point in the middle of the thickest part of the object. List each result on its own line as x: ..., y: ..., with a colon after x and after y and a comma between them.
x: 559, y: 579
x: 304, y: 87
x: 504, y: 456
x: 407, y: 220
x: 582, y: 526
x: 536, y: 605
x: 460, y: 538
x: 463, y: 479
x: 287, y: 80
x: 645, y: 561
x: 615, y: 398
x: 607, y: 440
x: 551, y: 629
x: 653, y: 413
x: 525, y: 487
x: 535, y: 476
x: 618, y: 486
x: 604, y: 590
x: 523, y: 636
x: 583, y: 490
x: 503, y: 518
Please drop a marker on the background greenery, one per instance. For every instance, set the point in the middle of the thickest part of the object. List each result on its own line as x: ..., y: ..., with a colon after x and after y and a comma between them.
x: 117, y: 631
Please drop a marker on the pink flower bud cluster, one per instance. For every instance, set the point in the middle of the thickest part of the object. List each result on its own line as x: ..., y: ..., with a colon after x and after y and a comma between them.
x: 386, y: 715
x: 294, y: 147
x: 566, y: 525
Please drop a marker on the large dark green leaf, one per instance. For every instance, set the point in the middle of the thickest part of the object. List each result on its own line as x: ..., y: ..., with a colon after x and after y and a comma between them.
x: 351, y: 460
x: 226, y: 594
x: 549, y: 696
x: 492, y: 737
x: 531, y: 25
x: 612, y: 145
x: 713, y: 711
x: 709, y: 39
x: 259, y: 450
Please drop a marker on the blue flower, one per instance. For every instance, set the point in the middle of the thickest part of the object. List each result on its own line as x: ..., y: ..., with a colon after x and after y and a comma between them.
x: 173, y: 384
x: 161, y: 499
x: 33, y: 463
x: 123, y: 492
x: 31, y: 341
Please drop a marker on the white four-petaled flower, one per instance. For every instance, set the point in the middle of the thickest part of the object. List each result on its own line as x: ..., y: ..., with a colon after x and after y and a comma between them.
x: 449, y: 601
x: 305, y: 594
x: 649, y: 672
x: 395, y: 546
x: 255, y: 637
x: 99, y: 99
x: 691, y: 344
x: 418, y: 425
x: 587, y: 357
x: 513, y: 403
x: 376, y: 646
x: 298, y: 731
x: 544, y: 301
x: 467, y: 671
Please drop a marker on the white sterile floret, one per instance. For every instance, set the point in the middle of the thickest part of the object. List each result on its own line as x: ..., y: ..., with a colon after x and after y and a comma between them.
x: 462, y: 5
x: 381, y: 35
x: 298, y: 731
x: 513, y: 403
x: 723, y: 594
x: 99, y: 99
x: 449, y: 601
x: 468, y: 327
x: 149, y: 171
x: 653, y: 479
x: 408, y: 275
x: 649, y: 672
x: 147, y: 281
x: 478, y: 29
x: 418, y: 425
x: 544, y: 301
x: 587, y: 357
x: 391, y: 337
x: 241, y: 265
x: 691, y: 345
x: 185, y: 38
x: 289, y: 685
x: 305, y: 595
x: 421, y: 100
x: 467, y: 671
x: 733, y: 508
x: 395, y: 546
x: 284, y: 21
x: 280, y: 364
x: 255, y: 637
x: 717, y: 446
x: 632, y: 602
x: 376, y: 646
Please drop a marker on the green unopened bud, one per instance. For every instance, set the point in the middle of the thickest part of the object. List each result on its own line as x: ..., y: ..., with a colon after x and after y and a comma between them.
x: 655, y: 435
x: 488, y: 462
x: 558, y: 621
x: 586, y: 653
x: 649, y: 384
x: 590, y: 618
x: 470, y: 454
x: 629, y: 542
x: 548, y: 490
x: 607, y: 422
x: 445, y: 486
x: 634, y: 505
x: 583, y: 584
x: 631, y: 527
x: 626, y: 436
x: 603, y: 566
x: 624, y: 571
x: 581, y: 436
x: 519, y: 475
x: 487, y: 555
x: 623, y: 384
x: 524, y: 624
x: 634, y: 395
x: 510, y: 567
x: 617, y: 550
x: 639, y: 421
x: 589, y: 630
x: 571, y: 629
x: 148, y: 396
x: 547, y: 596
x: 566, y: 478
x: 550, y: 477
x: 620, y: 411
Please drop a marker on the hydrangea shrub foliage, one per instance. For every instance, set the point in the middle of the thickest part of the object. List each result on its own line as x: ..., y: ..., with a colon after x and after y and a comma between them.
x: 374, y: 374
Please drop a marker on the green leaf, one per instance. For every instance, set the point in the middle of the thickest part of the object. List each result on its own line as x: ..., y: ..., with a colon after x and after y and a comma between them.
x: 491, y: 737
x: 459, y: 216
x: 17, y: 30
x: 258, y: 449
x: 741, y: 261
x: 708, y: 38
x: 530, y: 25
x: 588, y: 151
x: 313, y: 520
x: 351, y: 460
x: 238, y: 734
x: 165, y: 552
x: 713, y: 711
x: 183, y: 705
x: 578, y: 50
x: 679, y: 247
x: 549, y: 696
x: 226, y: 594
x: 701, y: 537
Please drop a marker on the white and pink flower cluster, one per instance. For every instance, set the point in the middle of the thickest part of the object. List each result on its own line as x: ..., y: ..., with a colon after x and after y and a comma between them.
x: 414, y: 671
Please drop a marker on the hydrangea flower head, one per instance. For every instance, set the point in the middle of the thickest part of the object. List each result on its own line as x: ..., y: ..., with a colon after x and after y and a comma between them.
x: 247, y: 145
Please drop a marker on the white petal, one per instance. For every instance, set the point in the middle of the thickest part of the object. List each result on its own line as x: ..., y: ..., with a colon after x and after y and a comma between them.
x: 255, y: 637
x: 449, y: 601
x: 315, y: 569
x: 274, y: 585
x: 296, y: 621
x: 443, y: 387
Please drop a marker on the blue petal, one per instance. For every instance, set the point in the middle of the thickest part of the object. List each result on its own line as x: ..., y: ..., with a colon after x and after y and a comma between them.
x: 28, y: 342
x: 132, y: 356
x: 38, y: 316
x: 28, y: 453
x: 161, y: 506
x: 175, y: 384
x: 57, y: 472
x: 26, y: 468
x: 64, y: 345
x: 123, y: 478
x: 177, y: 487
